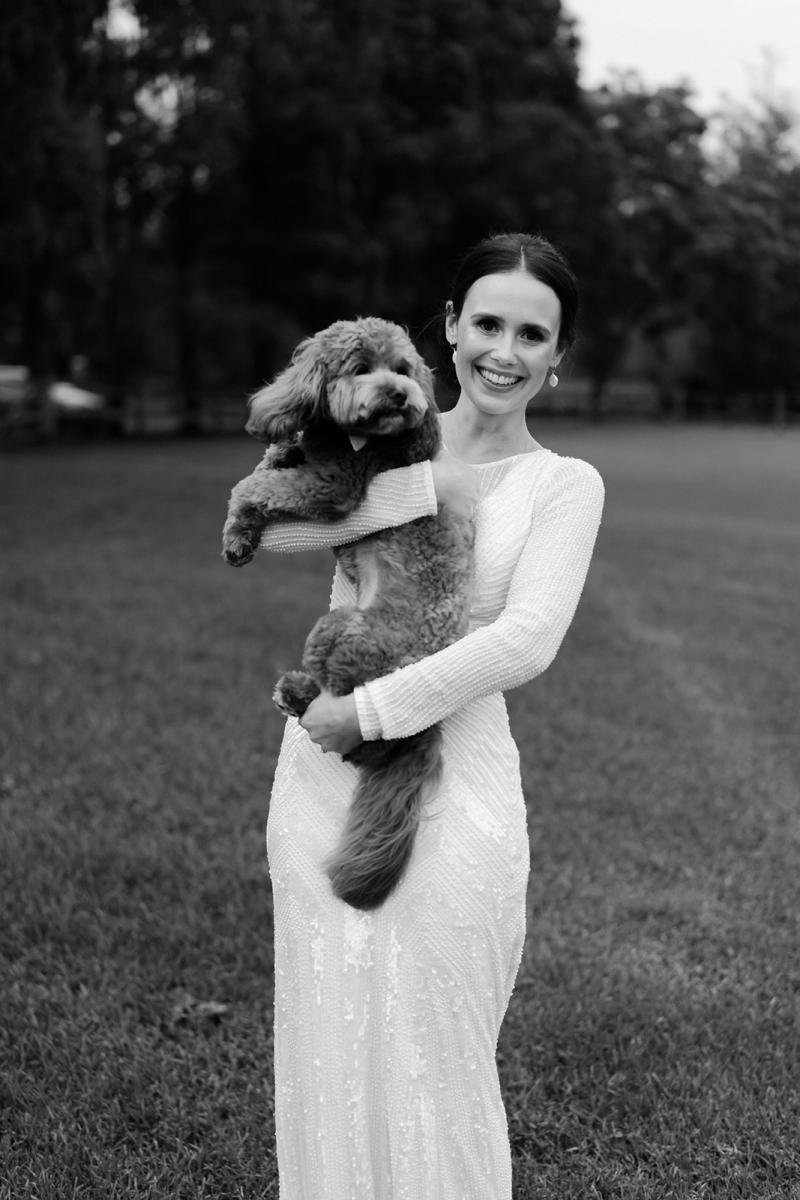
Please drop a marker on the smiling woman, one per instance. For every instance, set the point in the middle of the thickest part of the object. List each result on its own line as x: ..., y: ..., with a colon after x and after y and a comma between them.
x: 506, y: 339
x: 386, y: 1021
x: 510, y: 319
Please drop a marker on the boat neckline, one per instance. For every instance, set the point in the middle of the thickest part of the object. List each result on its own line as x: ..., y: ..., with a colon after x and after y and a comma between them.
x: 494, y: 462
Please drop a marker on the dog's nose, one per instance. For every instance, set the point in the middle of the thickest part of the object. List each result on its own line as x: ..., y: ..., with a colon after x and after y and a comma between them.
x: 397, y: 397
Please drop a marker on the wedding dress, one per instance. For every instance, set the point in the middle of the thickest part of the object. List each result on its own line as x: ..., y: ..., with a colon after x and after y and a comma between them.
x: 386, y: 1022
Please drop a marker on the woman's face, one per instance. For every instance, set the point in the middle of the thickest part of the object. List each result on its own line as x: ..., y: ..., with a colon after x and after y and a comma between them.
x: 506, y: 337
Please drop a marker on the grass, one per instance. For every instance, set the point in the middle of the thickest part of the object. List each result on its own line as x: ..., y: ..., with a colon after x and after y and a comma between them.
x: 652, y: 1046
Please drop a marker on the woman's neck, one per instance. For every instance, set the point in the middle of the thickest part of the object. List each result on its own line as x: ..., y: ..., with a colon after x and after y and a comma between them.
x: 475, y: 437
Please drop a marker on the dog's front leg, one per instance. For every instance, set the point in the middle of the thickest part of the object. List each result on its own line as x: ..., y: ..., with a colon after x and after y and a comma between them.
x: 245, y: 521
x: 243, y: 526
x: 304, y: 492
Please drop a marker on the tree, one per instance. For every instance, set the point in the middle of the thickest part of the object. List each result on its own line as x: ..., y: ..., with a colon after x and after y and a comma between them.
x: 381, y: 143
x: 231, y: 173
x: 52, y: 250
x: 651, y: 141
x: 178, y: 158
x: 749, y: 294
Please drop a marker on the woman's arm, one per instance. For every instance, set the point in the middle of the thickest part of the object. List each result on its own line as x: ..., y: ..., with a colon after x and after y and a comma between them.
x: 393, y: 498
x: 541, y: 602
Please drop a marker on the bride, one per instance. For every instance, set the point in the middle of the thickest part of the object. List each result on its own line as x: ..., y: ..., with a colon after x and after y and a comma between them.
x: 386, y: 1022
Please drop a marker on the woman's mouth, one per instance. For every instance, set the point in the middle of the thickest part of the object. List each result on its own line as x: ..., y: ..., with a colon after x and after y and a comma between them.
x: 497, y: 380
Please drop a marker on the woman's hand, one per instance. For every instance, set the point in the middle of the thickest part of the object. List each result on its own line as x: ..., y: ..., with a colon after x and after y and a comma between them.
x: 332, y: 722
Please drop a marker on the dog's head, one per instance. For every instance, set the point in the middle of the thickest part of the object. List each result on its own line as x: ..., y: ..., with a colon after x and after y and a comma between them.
x: 364, y: 375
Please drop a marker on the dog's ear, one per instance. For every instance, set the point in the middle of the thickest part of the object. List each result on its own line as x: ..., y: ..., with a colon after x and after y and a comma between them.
x: 428, y: 435
x: 424, y: 377
x: 286, y: 405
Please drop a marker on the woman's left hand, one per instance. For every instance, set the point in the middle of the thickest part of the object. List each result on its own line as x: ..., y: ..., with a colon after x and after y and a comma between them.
x: 332, y: 722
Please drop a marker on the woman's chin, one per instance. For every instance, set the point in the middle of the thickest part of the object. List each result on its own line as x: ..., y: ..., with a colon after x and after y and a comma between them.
x: 493, y: 400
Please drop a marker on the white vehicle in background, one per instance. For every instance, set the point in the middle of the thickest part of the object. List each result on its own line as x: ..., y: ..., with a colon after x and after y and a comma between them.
x: 26, y: 410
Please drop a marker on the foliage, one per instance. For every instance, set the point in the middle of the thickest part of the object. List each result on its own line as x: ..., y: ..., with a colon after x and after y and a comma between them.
x: 750, y: 257
x: 652, y: 142
x: 52, y: 251
x: 705, y: 243
x: 190, y: 185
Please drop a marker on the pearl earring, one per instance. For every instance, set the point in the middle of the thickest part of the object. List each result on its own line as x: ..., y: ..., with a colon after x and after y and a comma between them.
x: 453, y: 344
x: 553, y: 380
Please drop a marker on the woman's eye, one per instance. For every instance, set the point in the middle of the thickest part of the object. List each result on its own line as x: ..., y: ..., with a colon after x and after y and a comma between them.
x: 487, y: 324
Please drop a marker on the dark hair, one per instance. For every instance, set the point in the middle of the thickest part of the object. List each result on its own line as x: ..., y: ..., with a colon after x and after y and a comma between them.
x: 505, y: 252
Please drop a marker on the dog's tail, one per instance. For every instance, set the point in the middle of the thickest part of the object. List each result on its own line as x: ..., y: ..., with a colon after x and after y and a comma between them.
x: 395, y: 778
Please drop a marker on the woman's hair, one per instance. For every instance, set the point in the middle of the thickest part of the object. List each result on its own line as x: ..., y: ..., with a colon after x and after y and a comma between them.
x: 505, y: 252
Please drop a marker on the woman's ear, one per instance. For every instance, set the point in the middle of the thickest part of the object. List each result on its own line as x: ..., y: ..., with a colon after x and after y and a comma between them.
x: 450, y: 323
x: 286, y: 405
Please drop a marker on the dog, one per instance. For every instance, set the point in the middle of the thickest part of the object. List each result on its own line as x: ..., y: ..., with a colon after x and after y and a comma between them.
x: 358, y: 399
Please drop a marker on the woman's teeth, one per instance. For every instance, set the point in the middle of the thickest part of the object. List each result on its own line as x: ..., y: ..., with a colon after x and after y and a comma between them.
x: 498, y: 380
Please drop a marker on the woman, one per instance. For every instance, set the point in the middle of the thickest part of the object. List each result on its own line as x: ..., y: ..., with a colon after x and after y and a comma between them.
x: 386, y: 1022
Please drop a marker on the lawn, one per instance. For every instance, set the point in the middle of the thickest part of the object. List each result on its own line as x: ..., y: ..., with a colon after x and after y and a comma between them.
x: 652, y: 1046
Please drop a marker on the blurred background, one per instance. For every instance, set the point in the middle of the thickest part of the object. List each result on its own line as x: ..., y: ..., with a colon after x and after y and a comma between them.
x: 188, y: 186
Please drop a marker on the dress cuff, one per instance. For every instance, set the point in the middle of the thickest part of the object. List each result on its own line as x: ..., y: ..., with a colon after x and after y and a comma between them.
x: 367, y: 716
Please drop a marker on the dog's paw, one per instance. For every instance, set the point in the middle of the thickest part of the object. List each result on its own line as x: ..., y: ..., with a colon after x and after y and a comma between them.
x: 282, y: 701
x: 237, y: 551
x: 293, y: 693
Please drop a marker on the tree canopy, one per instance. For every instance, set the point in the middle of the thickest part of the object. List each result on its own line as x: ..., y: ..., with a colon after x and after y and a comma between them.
x: 188, y: 186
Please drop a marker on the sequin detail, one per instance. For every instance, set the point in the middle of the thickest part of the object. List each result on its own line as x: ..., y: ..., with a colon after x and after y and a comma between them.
x: 386, y: 1023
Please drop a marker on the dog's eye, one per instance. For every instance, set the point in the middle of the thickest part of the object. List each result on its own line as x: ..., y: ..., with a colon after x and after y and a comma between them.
x: 402, y: 369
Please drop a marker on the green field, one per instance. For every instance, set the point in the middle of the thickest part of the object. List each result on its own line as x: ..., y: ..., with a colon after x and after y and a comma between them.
x: 652, y: 1046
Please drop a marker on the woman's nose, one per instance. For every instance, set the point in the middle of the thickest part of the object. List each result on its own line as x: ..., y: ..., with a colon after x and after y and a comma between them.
x: 503, y: 350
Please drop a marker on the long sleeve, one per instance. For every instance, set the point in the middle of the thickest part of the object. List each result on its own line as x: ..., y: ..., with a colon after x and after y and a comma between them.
x: 522, y: 641
x: 392, y: 498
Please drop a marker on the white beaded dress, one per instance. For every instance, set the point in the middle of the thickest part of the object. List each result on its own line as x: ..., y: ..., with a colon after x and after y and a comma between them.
x: 386, y: 1022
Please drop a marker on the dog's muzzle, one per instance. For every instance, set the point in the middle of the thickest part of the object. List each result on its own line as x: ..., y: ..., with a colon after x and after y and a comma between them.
x: 377, y: 399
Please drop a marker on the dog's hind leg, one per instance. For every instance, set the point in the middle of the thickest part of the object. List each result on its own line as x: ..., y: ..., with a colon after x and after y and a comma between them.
x: 338, y: 657
x: 293, y: 693
x: 349, y: 646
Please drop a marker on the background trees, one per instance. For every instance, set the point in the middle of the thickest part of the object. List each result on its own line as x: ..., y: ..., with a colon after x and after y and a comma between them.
x: 651, y: 144
x: 189, y: 186
x: 748, y: 293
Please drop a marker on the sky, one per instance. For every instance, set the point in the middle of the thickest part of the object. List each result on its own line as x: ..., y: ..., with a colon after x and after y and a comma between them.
x: 723, y: 48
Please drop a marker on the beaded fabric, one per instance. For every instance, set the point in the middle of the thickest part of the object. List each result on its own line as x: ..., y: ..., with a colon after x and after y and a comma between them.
x: 386, y: 1022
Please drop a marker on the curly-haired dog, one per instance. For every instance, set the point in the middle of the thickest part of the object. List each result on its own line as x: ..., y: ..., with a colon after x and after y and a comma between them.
x: 358, y: 399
